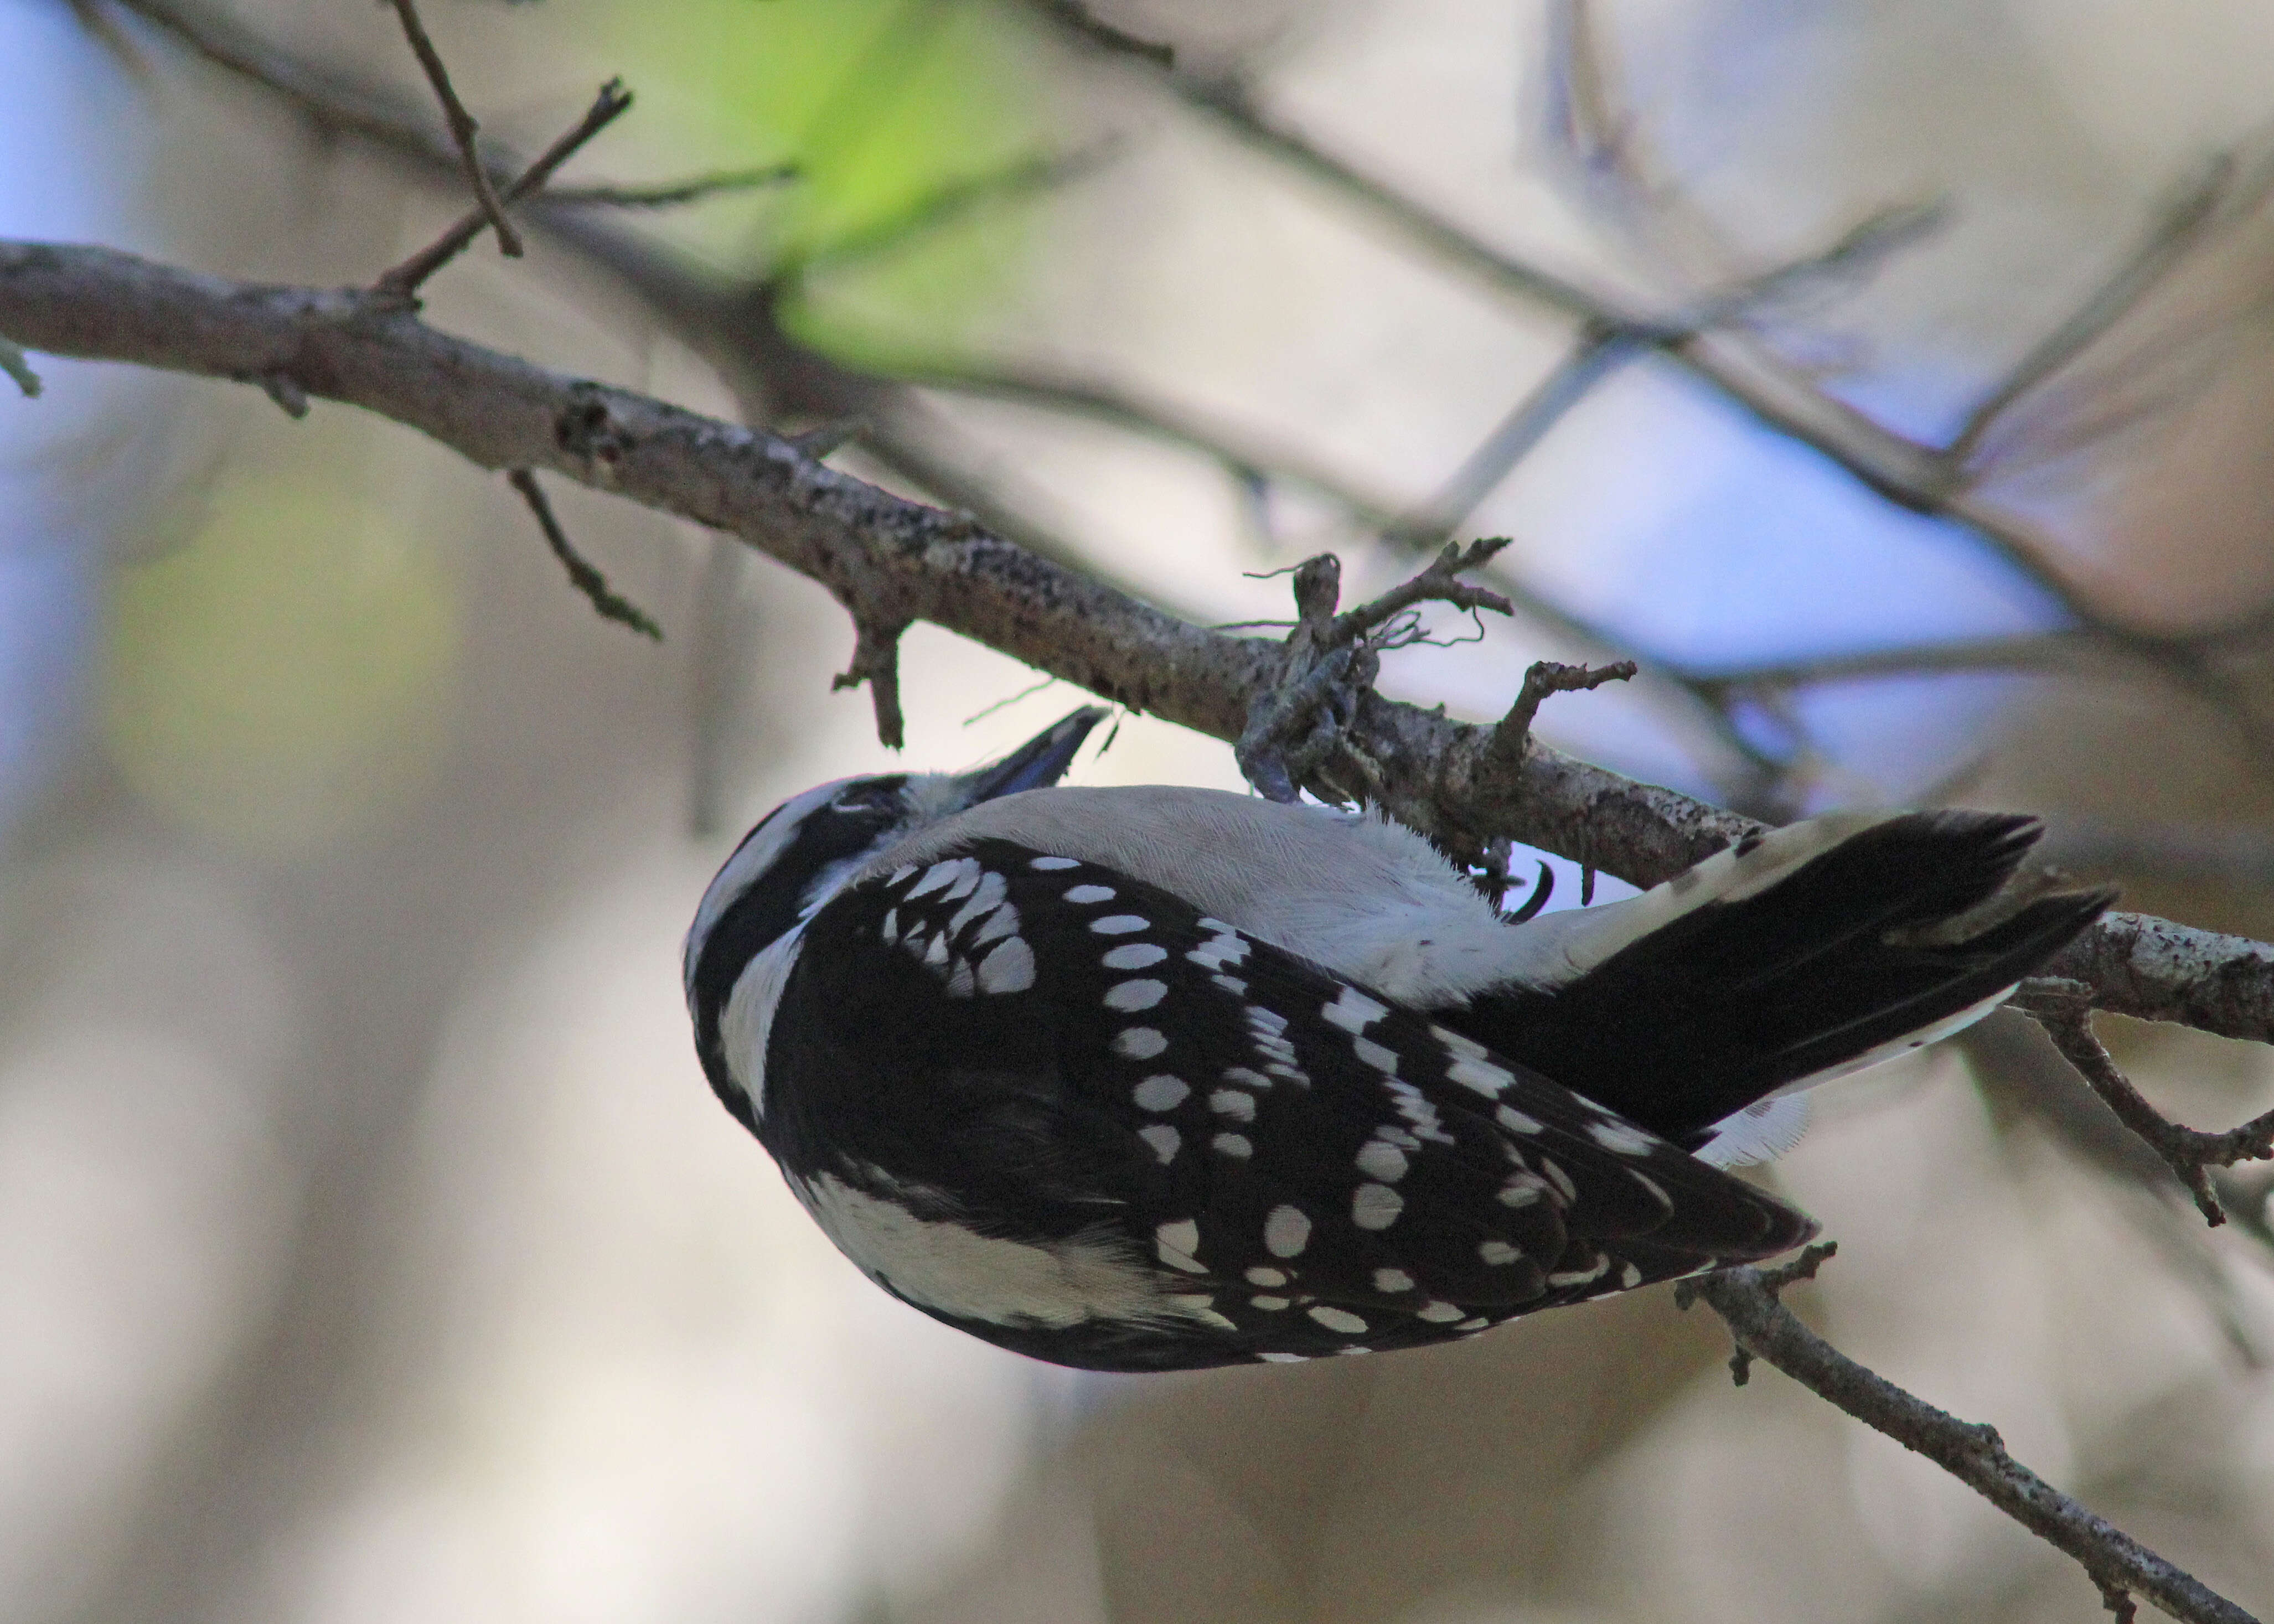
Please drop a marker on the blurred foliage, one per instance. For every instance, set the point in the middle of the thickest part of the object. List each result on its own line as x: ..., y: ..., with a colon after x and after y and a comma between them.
x: 287, y: 674
x: 884, y: 106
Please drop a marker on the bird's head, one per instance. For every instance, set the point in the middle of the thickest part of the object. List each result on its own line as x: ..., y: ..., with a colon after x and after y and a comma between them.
x: 799, y: 852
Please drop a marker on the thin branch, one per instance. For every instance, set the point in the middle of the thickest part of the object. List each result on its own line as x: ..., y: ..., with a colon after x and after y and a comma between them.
x: 582, y: 574
x: 1512, y: 740
x: 1085, y: 24
x: 673, y: 194
x: 464, y: 130
x: 877, y: 662
x: 405, y: 279
x: 2202, y: 203
x: 1436, y: 774
x: 2064, y: 1008
x: 1970, y: 1452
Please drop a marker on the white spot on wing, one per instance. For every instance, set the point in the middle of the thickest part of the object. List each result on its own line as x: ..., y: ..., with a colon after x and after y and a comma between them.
x: 1286, y: 1231
x: 1378, y: 1159
x: 1134, y: 956
x: 935, y: 876
x: 1116, y: 924
x: 1138, y: 1042
x: 1375, y: 1206
x: 1234, y: 1103
x: 1267, y: 1277
x: 1621, y: 1137
x: 1161, y: 1093
x: 1008, y: 968
x: 1439, y: 1313
x: 1337, y: 1320
x: 1090, y: 893
x: 1048, y: 863
x: 1003, y: 922
x: 1353, y: 1011
x: 1164, y: 1140
x: 1515, y: 1121
x: 1130, y: 997
x: 1392, y: 1282
x: 1177, y: 1245
x: 1480, y: 1075
x: 1238, y: 1147
x: 1497, y: 1254
x: 1372, y: 1053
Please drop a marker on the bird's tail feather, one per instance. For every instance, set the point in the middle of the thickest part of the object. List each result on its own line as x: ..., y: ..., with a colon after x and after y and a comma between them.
x: 1799, y: 955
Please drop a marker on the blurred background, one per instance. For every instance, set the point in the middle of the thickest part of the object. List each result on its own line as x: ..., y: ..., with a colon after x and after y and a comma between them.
x: 370, y: 1250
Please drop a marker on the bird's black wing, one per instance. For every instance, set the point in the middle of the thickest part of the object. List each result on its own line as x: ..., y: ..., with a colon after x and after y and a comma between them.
x: 1047, y: 1053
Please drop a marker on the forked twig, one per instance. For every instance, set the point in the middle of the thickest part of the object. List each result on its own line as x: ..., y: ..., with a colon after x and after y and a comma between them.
x: 464, y: 130
x: 2064, y: 1008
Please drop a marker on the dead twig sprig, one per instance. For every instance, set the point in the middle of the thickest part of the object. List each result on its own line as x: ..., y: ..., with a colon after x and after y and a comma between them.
x: 1329, y: 661
x: 877, y: 662
x: 610, y: 605
x: 1770, y: 1281
x: 2120, y: 1566
x: 1513, y: 735
x: 673, y: 194
x: 2064, y: 1008
x: 464, y: 130
x: 404, y: 281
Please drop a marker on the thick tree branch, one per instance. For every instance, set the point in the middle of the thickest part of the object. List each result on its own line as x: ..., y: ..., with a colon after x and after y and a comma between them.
x: 1970, y: 1452
x: 903, y: 561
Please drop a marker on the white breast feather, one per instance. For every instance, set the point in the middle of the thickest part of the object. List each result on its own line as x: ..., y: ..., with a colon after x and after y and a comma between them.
x: 944, y: 1265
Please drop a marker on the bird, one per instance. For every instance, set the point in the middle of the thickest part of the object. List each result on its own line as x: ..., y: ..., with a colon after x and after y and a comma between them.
x: 1157, y: 1078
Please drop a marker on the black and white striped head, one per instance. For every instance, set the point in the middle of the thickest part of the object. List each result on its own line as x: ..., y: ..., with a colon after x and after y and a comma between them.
x: 799, y: 852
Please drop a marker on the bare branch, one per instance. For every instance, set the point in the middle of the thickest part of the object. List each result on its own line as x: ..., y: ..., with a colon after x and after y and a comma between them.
x: 877, y: 662
x: 464, y: 130
x: 582, y: 574
x: 2201, y: 204
x: 897, y: 559
x: 1970, y: 1452
x: 2064, y: 1008
x: 673, y: 194
x: 1512, y: 738
x: 405, y: 279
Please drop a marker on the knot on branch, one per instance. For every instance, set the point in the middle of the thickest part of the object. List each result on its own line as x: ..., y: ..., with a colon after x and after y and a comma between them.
x: 1765, y: 1284
x: 2064, y: 1008
x: 1330, y: 661
x: 877, y: 661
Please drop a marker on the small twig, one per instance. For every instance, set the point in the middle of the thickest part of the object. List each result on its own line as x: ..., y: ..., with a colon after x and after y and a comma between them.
x: 1441, y: 582
x: 285, y: 390
x: 943, y: 206
x: 13, y: 364
x: 823, y: 438
x: 877, y: 661
x: 1513, y: 736
x: 582, y: 574
x: 1746, y: 1297
x: 1329, y: 661
x: 1770, y: 1281
x: 2064, y: 1008
x: 464, y: 130
x: 405, y: 279
x: 671, y: 194
x: 2182, y: 224
x: 1080, y: 21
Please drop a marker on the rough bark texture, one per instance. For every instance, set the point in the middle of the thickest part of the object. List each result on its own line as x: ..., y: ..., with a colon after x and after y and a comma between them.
x: 889, y: 561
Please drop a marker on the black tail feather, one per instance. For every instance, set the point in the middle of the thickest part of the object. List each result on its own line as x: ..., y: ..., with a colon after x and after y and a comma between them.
x: 1901, y: 926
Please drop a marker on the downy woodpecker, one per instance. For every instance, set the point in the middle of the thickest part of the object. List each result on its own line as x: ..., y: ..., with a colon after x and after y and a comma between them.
x: 1152, y: 1078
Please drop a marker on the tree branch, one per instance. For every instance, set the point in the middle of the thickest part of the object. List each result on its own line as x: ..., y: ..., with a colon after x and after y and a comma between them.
x: 898, y: 560
x: 1971, y: 1453
x: 2064, y: 1008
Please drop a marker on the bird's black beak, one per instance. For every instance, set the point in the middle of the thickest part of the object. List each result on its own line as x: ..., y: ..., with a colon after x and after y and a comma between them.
x: 1039, y: 762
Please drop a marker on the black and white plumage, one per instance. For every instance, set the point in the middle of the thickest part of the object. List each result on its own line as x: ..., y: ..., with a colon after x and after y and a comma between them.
x: 1153, y: 1079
